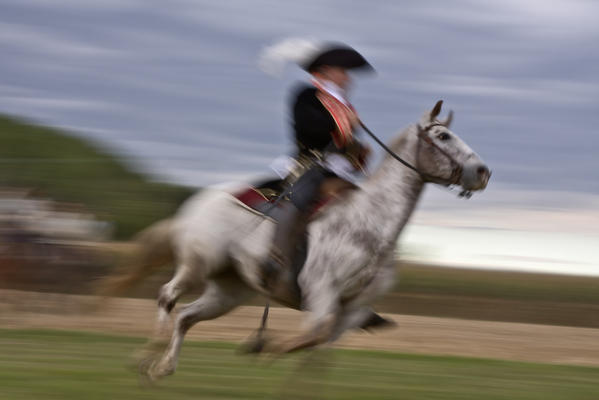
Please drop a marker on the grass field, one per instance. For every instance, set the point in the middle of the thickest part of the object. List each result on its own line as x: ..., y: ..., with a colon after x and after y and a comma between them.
x: 508, y: 285
x: 495, y: 295
x: 68, y: 365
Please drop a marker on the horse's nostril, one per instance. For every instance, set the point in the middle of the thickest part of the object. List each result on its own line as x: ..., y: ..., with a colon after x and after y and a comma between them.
x: 482, y: 170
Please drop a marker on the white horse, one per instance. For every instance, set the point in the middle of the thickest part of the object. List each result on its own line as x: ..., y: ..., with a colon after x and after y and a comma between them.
x: 219, y: 244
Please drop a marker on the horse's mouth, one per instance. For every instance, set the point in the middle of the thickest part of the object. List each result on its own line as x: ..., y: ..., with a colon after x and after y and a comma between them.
x: 475, y: 178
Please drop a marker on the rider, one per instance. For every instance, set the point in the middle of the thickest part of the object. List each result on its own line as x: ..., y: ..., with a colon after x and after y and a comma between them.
x: 324, y: 122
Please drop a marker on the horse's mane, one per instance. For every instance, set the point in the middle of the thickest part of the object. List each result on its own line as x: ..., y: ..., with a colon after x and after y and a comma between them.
x: 398, y: 142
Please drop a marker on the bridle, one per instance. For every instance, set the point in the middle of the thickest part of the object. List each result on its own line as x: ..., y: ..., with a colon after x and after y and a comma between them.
x: 456, y: 167
x: 456, y: 170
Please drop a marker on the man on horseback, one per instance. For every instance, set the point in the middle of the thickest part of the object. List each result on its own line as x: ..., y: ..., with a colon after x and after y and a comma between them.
x: 328, y: 156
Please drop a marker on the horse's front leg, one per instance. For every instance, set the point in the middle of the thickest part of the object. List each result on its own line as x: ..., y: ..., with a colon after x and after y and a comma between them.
x: 319, y: 334
x: 323, y: 304
x: 332, y: 327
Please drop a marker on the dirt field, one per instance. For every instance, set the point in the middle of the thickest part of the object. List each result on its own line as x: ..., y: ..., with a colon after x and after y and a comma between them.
x: 415, y: 334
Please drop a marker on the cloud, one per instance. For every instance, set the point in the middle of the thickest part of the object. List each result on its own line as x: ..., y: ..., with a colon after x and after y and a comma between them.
x: 506, y: 208
x: 207, y: 143
x: 48, y: 103
x: 573, y: 93
x: 564, y: 16
x: 45, y: 42
x: 103, y: 5
x: 203, y: 178
x: 532, y: 19
x: 13, y: 90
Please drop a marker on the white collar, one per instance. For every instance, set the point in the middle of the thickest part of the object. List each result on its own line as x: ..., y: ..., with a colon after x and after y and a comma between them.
x: 332, y: 89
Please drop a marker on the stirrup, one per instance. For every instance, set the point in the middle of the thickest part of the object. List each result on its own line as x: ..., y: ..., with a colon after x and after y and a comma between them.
x: 277, y: 256
x: 271, y: 269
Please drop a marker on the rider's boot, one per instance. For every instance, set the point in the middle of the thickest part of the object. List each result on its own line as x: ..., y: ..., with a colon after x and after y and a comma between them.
x: 283, y: 246
x: 291, y: 225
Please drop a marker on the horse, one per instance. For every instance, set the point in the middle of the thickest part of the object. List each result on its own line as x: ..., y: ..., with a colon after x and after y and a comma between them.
x: 219, y: 244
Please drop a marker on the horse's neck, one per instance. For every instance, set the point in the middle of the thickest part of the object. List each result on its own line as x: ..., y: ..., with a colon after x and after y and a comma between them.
x: 393, y: 191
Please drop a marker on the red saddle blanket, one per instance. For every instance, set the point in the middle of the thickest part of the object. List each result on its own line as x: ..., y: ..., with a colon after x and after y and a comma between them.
x: 253, y: 198
x: 257, y: 200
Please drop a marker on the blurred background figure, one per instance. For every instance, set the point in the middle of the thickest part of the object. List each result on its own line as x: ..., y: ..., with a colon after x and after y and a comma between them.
x: 48, y: 244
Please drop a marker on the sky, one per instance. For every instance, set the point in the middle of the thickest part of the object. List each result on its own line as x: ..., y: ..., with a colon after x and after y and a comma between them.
x: 176, y: 90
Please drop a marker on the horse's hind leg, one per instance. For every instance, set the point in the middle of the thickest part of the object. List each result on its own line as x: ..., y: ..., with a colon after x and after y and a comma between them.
x: 185, y: 279
x: 221, y: 296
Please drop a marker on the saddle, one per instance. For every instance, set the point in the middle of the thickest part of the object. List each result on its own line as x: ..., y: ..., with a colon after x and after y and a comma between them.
x: 264, y: 197
x: 269, y: 198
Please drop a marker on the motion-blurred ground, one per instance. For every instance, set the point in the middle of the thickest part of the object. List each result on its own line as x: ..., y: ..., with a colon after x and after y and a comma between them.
x: 415, y: 334
x: 42, y: 364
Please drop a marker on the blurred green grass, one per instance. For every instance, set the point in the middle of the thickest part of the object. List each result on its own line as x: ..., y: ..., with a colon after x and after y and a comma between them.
x: 499, y: 284
x: 66, y: 365
x: 494, y: 295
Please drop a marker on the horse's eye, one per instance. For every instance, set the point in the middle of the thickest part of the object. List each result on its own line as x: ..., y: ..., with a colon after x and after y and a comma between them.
x: 444, y: 136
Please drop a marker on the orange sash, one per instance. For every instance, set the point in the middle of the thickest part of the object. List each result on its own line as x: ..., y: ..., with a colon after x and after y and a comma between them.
x: 342, y: 115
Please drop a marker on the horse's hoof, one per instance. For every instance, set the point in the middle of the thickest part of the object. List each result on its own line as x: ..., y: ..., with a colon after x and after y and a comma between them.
x: 160, y: 370
x: 155, y: 375
x: 376, y: 322
x: 142, y: 359
x: 143, y: 369
x: 274, y: 349
x: 254, y: 345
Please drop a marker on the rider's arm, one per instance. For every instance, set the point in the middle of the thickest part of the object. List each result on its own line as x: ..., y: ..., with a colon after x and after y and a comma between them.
x: 313, y: 123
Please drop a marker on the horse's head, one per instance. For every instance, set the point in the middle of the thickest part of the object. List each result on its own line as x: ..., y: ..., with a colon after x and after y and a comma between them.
x: 444, y: 158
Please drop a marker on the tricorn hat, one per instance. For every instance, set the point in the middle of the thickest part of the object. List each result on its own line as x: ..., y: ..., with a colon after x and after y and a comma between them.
x: 310, y: 55
x: 337, y: 55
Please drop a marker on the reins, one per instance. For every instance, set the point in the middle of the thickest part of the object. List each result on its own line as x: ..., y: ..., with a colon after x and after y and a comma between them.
x: 387, y: 149
x: 457, y: 167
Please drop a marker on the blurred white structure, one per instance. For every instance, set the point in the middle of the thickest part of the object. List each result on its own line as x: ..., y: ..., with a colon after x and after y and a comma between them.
x: 25, y: 219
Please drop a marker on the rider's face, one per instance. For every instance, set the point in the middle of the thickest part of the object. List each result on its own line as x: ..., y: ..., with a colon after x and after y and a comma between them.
x: 337, y: 75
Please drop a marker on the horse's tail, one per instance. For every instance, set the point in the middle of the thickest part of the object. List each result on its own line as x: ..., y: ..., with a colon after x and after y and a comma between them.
x: 150, y: 250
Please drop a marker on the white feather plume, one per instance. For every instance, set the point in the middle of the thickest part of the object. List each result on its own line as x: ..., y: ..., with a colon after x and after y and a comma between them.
x: 275, y: 57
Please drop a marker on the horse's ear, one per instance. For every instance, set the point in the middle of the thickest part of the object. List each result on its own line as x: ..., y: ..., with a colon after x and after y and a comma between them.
x: 448, y: 120
x: 436, y: 110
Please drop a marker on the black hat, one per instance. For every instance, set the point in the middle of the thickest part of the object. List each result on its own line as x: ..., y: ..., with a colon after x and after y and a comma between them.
x: 310, y: 55
x: 337, y: 55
